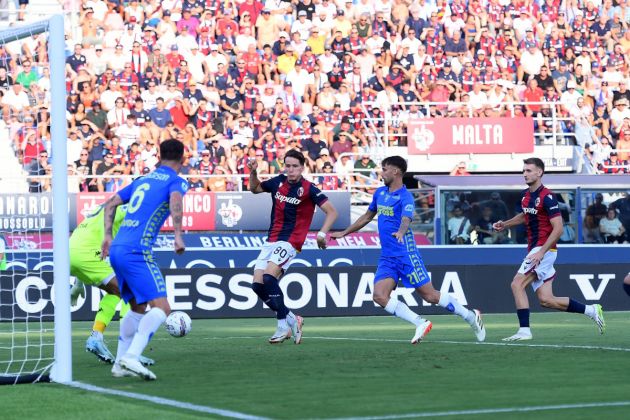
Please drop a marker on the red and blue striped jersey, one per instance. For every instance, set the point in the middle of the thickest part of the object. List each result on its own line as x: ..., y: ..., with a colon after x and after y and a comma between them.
x: 539, y: 208
x: 293, y: 209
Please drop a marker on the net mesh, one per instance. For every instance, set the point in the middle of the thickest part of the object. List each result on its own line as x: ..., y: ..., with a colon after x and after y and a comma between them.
x: 26, y: 275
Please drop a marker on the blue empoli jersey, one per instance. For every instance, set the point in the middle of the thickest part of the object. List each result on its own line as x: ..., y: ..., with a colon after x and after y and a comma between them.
x: 148, y: 208
x: 390, y: 208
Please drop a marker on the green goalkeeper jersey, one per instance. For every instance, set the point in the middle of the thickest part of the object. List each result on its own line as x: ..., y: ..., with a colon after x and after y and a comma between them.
x: 91, y: 231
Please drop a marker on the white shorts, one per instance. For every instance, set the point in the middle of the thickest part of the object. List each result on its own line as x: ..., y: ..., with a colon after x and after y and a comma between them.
x: 280, y: 253
x: 544, y: 271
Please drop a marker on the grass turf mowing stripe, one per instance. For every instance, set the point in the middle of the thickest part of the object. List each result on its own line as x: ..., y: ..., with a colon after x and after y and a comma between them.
x: 490, y: 411
x: 166, y: 401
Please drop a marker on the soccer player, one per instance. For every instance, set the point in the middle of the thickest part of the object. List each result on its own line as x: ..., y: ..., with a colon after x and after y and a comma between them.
x: 294, y: 200
x: 88, y: 267
x: 150, y: 200
x: 541, y: 214
x: 626, y: 284
x: 400, y: 259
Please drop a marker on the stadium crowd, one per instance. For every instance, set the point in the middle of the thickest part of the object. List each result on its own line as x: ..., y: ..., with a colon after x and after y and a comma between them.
x: 244, y: 79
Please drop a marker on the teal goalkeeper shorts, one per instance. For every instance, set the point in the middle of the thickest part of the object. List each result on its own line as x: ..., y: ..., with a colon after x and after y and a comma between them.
x: 87, y: 266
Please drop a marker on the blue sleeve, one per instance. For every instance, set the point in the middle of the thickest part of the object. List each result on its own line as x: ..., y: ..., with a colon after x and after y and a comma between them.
x: 550, y: 204
x: 126, y: 193
x: 317, y: 195
x: 373, y: 207
x: 179, y: 185
x: 407, y: 206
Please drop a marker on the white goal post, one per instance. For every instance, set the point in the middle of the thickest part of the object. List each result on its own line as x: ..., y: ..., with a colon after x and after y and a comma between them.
x: 28, y: 350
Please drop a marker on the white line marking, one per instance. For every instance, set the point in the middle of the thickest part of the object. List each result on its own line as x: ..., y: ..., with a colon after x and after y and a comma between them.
x: 166, y: 401
x: 394, y: 340
x: 491, y: 411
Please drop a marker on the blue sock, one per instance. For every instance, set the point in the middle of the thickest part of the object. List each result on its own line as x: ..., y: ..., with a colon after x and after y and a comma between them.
x: 626, y: 287
x: 576, y: 307
x: 276, y: 297
x: 523, y: 317
x: 259, y: 289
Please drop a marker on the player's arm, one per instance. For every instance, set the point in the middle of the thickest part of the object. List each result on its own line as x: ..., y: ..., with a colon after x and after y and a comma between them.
x: 557, y: 227
x: 514, y: 221
x: 402, y: 230
x: 331, y: 216
x: 176, y: 206
x: 109, y: 213
x: 254, y: 182
x: 363, y: 220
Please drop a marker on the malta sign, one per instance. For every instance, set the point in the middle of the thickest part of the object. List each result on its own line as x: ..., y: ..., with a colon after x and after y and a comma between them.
x: 470, y: 135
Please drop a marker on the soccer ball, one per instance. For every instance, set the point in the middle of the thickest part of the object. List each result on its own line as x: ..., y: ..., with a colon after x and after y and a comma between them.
x: 178, y: 324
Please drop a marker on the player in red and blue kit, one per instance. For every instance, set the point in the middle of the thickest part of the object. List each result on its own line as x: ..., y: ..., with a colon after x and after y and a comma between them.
x: 541, y: 214
x: 151, y: 199
x: 400, y: 259
x: 294, y: 200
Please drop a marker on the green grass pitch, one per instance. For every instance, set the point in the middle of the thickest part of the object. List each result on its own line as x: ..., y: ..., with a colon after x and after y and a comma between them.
x: 355, y: 367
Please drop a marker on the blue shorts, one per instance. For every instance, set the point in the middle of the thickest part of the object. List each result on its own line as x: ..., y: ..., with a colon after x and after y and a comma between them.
x: 408, y: 268
x: 138, y: 274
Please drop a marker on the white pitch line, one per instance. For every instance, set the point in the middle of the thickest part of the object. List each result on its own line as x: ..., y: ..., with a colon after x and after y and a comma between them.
x: 166, y: 402
x: 490, y: 411
x: 474, y: 343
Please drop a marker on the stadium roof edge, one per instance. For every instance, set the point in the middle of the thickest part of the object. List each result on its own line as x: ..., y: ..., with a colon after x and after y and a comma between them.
x: 516, y: 181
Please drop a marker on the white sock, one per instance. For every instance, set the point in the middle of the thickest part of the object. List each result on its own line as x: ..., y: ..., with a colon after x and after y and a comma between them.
x: 402, y: 311
x: 128, y: 328
x: 98, y: 335
x: 147, y: 327
x: 590, y: 311
x: 524, y: 330
x: 452, y: 305
x: 282, y: 323
x: 291, y: 319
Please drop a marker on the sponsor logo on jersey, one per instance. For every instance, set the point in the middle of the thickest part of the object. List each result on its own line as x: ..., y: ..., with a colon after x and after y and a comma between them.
x: 288, y: 200
x: 130, y: 223
x: 385, y: 210
x: 530, y: 210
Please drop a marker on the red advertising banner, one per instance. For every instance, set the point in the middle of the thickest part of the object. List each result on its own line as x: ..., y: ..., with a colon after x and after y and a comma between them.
x: 470, y: 135
x: 198, y: 209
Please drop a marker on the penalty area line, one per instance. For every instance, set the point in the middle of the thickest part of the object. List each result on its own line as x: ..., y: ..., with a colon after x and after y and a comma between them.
x: 491, y: 411
x: 165, y: 401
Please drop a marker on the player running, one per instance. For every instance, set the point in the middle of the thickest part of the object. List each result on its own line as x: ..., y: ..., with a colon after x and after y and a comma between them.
x: 151, y: 198
x: 541, y: 214
x: 400, y: 259
x: 294, y: 200
x: 88, y: 267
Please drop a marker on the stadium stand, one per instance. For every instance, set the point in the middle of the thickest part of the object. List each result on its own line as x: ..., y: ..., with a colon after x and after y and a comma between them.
x: 248, y: 79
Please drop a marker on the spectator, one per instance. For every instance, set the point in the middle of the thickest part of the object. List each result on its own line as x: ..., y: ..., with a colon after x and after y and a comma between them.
x: 39, y: 168
x: 622, y: 206
x: 612, y: 229
x: 329, y: 181
x: 594, y: 214
x: 486, y: 235
x: 460, y: 170
x: 459, y: 227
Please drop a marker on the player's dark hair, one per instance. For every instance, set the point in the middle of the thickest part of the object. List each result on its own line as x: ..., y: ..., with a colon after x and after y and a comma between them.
x: 396, y: 161
x: 172, y: 150
x: 536, y: 162
x: 296, y: 155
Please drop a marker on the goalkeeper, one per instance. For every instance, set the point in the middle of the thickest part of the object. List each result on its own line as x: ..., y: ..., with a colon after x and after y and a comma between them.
x: 86, y: 265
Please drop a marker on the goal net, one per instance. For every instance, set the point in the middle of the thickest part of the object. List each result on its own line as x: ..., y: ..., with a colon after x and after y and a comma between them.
x: 34, y: 288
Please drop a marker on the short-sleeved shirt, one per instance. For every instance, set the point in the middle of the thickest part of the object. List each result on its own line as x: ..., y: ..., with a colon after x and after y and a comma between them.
x: 148, y: 198
x: 391, y: 207
x: 292, y: 210
x: 539, y: 208
x: 89, y: 234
